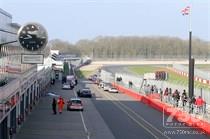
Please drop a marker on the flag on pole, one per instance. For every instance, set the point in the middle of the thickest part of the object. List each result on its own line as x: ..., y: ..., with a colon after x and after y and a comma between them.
x: 186, y: 10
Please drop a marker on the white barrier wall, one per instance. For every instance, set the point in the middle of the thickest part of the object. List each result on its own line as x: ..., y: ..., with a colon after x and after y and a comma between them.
x: 106, y: 76
x: 197, y: 72
x: 138, y: 84
x: 137, y: 81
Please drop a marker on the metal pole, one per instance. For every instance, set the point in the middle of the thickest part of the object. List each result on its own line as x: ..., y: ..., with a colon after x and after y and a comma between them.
x: 201, y: 92
x: 191, y: 78
x: 189, y: 71
x: 93, y: 53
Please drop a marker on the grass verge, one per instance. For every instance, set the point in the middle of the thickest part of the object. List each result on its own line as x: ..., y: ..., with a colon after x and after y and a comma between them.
x: 83, y: 73
x: 172, y: 78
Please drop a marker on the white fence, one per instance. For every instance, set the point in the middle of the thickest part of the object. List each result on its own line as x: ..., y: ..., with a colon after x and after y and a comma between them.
x: 197, y: 72
x: 138, y: 84
x: 197, y: 91
x: 106, y: 76
x: 137, y: 81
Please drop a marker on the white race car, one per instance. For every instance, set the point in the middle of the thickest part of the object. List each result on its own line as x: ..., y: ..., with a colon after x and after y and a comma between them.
x: 113, y: 90
x: 66, y: 86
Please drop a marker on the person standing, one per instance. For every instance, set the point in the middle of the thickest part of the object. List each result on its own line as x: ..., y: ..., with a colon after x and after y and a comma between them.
x: 166, y: 95
x: 191, y: 104
x: 130, y: 83
x: 54, y: 105
x: 177, y: 98
x: 60, y: 104
x: 161, y: 94
x: 170, y: 95
x: 184, y: 98
x: 199, y: 103
x: 174, y: 97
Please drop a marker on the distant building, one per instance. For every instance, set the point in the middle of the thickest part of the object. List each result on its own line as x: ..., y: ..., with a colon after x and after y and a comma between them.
x: 7, y: 30
x: 21, y: 85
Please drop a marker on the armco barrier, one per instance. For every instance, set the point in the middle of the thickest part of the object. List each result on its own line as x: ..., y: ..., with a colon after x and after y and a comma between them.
x: 168, y: 110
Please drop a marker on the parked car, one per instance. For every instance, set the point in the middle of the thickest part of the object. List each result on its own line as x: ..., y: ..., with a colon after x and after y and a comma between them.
x: 97, y: 81
x: 107, y: 86
x: 86, y: 92
x: 101, y: 85
x: 71, y: 79
x: 72, y: 84
x: 113, y: 90
x: 92, y: 77
x: 74, y: 104
x: 66, y: 86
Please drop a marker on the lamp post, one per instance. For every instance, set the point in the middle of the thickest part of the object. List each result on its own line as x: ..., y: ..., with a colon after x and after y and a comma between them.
x: 191, y: 68
x: 187, y: 11
x: 191, y: 59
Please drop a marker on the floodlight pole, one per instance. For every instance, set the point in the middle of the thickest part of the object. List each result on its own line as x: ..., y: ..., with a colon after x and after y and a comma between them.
x: 191, y: 59
x: 191, y: 68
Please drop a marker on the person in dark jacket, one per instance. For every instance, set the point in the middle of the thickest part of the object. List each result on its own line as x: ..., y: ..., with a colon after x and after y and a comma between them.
x: 184, y: 98
x: 191, y: 104
x: 130, y: 83
x: 177, y: 98
x: 54, y: 105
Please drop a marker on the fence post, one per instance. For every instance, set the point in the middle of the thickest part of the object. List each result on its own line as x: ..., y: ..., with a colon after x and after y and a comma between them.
x: 201, y: 92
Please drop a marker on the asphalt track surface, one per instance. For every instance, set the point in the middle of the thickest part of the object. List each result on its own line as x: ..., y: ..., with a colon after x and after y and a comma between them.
x: 129, y: 119
x: 43, y: 124
x: 105, y: 116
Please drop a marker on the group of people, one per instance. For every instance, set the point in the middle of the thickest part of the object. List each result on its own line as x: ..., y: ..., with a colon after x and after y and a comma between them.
x: 150, y: 89
x: 60, y: 102
x: 178, y: 99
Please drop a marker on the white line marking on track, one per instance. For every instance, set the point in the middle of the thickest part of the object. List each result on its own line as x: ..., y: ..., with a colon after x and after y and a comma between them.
x: 83, y: 121
x: 84, y: 125
x: 125, y: 109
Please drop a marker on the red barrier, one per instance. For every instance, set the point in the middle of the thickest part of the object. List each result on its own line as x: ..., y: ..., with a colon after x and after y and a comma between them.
x: 168, y: 110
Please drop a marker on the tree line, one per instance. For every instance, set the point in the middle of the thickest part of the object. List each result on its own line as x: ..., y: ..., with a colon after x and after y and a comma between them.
x: 133, y: 47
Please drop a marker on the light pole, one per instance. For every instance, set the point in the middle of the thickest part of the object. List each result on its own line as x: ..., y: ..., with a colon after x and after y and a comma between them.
x: 187, y: 11
x: 191, y: 68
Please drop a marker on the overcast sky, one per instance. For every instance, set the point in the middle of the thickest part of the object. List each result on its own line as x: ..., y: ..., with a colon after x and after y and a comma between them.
x: 72, y: 20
